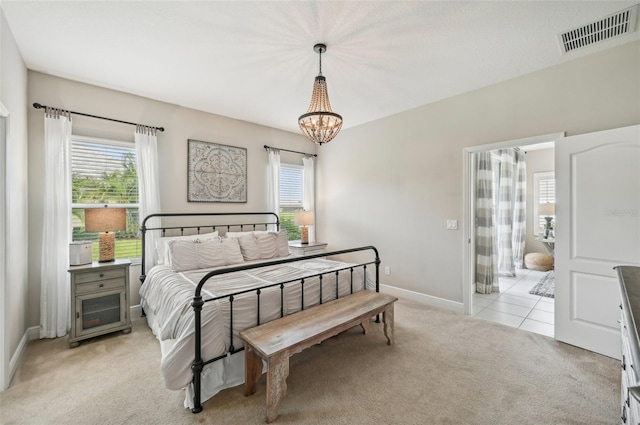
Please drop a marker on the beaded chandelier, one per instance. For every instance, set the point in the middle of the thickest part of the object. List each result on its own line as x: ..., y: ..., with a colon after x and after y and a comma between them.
x: 320, y: 124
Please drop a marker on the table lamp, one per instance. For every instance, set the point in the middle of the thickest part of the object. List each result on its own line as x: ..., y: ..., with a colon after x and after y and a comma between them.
x: 547, y: 210
x: 304, y: 219
x: 107, y: 221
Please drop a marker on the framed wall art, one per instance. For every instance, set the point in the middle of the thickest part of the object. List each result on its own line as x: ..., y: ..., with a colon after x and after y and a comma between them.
x: 217, y: 173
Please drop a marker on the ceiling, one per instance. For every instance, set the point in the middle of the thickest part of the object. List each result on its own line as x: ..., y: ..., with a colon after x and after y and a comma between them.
x: 254, y: 60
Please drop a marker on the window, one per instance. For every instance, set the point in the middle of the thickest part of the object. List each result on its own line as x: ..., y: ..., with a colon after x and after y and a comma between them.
x: 291, y: 187
x: 103, y: 172
x: 544, y: 192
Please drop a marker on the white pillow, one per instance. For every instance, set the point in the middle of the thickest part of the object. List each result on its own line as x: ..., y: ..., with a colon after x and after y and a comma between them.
x: 218, y: 252
x: 264, y: 246
x: 191, y: 255
x: 182, y: 255
x: 249, y: 247
x: 161, y: 244
x: 238, y: 234
x: 231, y: 249
x: 283, y: 243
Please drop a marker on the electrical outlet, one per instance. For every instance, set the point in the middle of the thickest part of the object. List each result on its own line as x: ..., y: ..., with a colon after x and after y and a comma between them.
x: 452, y: 224
x: 387, y: 270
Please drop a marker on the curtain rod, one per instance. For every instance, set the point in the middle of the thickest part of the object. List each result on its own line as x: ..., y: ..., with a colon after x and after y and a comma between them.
x: 39, y: 106
x: 287, y: 150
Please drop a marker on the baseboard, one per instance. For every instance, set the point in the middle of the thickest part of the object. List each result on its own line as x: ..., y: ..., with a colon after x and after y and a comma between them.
x: 429, y: 300
x: 135, y: 311
x: 31, y: 334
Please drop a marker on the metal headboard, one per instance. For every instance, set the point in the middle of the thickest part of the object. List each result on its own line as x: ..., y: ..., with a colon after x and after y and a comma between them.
x: 270, y: 219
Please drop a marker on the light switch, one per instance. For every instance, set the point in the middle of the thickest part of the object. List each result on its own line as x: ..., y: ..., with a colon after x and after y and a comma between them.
x: 452, y: 224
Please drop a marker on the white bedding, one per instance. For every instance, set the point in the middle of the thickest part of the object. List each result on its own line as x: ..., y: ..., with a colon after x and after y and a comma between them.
x: 167, y: 296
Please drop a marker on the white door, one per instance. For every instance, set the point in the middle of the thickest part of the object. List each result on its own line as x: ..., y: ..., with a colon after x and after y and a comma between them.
x: 597, y: 228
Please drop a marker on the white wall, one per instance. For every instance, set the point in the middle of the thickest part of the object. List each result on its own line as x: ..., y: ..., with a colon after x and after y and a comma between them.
x: 13, y: 95
x: 394, y: 182
x: 180, y: 124
x: 538, y: 161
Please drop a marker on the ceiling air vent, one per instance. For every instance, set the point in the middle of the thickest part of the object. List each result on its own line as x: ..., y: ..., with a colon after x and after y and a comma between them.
x: 620, y: 23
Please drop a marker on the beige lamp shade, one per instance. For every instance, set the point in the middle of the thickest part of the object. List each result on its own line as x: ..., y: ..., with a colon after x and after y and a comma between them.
x: 304, y: 218
x: 547, y: 209
x: 105, y: 220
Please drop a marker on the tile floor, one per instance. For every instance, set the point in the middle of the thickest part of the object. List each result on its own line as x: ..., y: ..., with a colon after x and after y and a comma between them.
x: 514, y: 306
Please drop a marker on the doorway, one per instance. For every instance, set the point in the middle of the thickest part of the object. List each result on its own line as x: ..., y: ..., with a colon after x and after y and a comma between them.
x: 513, y: 305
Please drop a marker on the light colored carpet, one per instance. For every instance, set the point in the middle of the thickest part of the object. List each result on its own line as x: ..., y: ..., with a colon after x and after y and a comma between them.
x: 445, y: 368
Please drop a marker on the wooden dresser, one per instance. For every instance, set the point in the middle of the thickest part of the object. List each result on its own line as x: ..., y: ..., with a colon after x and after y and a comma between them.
x: 629, y: 278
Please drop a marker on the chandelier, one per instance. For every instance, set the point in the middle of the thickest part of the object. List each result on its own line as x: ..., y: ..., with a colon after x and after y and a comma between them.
x: 320, y: 124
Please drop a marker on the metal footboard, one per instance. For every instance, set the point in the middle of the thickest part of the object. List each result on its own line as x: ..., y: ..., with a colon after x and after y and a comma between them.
x: 208, y: 221
x: 198, y: 302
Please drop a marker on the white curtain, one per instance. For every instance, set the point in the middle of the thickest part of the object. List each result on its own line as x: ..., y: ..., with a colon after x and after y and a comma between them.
x: 146, y: 141
x: 308, y: 192
x: 486, y: 257
x: 273, y: 181
x: 54, y: 279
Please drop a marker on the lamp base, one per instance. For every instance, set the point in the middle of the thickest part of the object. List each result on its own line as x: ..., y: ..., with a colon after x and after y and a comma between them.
x: 547, y: 227
x: 304, y: 235
x: 107, y: 247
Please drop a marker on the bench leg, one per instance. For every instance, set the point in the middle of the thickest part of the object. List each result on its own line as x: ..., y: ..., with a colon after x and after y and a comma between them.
x: 387, y: 319
x: 365, y: 326
x: 252, y: 370
x: 277, y: 372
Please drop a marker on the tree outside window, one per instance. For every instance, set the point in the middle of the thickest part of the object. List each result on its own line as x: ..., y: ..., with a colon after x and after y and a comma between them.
x: 103, y: 172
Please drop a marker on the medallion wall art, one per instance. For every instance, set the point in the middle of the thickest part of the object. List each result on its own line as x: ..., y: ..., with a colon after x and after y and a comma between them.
x: 217, y: 173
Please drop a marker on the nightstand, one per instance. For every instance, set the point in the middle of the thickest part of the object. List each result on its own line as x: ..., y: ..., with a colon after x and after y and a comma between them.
x: 99, y: 300
x: 298, y: 248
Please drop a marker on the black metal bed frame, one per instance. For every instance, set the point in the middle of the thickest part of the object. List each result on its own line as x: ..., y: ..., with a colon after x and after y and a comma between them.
x: 198, y: 301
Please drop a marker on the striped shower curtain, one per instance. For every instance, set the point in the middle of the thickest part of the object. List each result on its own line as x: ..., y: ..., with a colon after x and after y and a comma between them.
x: 519, y: 211
x: 510, y: 210
x: 486, y: 258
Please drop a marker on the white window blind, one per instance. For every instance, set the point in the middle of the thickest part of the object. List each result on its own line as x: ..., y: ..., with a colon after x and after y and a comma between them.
x: 291, y: 186
x: 103, y: 172
x: 291, y: 189
x: 544, y: 191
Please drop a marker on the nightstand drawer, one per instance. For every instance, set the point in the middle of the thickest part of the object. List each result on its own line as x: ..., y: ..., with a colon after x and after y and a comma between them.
x: 99, y: 275
x: 99, y: 285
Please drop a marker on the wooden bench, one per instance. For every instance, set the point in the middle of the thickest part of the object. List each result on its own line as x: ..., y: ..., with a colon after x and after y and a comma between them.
x: 278, y: 340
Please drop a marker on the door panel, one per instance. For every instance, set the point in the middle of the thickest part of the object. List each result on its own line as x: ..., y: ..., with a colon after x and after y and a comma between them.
x: 604, y: 205
x: 598, y: 227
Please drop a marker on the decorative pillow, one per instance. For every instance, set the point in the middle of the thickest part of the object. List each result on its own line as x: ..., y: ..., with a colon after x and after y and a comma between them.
x: 182, y: 255
x: 161, y: 244
x: 238, y: 234
x: 232, y: 253
x: 249, y: 247
x: 267, y: 245
x: 282, y: 243
x: 263, y: 246
x: 218, y: 252
x: 210, y: 253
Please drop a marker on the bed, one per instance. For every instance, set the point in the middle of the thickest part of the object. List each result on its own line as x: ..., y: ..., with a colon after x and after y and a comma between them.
x: 209, y: 281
